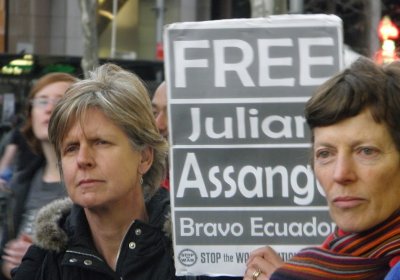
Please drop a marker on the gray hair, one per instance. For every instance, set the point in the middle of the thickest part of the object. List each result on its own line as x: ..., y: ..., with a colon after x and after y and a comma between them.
x: 124, y: 99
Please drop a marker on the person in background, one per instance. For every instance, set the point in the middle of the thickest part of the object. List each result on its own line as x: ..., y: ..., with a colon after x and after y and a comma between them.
x: 355, y: 125
x: 17, y: 154
x: 160, y: 111
x: 115, y: 223
x: 39, y: 181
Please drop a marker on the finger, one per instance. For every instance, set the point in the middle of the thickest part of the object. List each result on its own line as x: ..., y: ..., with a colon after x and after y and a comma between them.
x: 11, y: 243
x: 254, y: 273
x: 6, y: 269
x: 267, y: 251
x: 19, y: 253
x: 19, y: 244
x: 266, y: 266
x: 11, y: 260
x: 23, y: 245
x: 26, y: 238
x: 259, y: 252
x: 268, y: 254
x: 273, y: 257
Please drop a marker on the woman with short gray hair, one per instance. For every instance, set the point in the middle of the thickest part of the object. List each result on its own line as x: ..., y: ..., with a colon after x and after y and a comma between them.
x: 112, y: 158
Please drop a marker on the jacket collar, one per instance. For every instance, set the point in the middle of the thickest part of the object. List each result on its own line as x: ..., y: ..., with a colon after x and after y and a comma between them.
x: 55, y: 220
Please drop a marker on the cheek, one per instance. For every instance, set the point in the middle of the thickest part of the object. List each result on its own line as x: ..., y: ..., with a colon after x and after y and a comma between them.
x: 387, y: 182
x: 324, y: 177
x: 127, y: 174
x: 68, y: 173
x: 37, y: 126
x: 35, y: 123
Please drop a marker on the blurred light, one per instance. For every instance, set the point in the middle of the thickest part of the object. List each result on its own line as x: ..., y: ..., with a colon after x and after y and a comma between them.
x: 159, y: 51
x: 388, y: 33
x: 19, y: 66
x: 387, y: 29
x: 106, y: 14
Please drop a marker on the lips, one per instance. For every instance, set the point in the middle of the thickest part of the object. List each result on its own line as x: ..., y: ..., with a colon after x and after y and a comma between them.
x: 347, y: 201
x: 89, y: 182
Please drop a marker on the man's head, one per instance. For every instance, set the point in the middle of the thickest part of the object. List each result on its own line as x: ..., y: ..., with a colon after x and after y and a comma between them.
x: 159, y: 104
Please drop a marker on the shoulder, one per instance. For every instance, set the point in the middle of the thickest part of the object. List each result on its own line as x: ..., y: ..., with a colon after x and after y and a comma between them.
x: 25, y: 174
x: 160, y: 199
x: 394, y: 273
x: 38, y: 264
x: 31, y: 264
x: 49, y: 234
x: 159, y: 210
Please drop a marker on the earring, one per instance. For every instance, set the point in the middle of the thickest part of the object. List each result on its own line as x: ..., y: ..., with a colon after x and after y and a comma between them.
x: 141, y: 181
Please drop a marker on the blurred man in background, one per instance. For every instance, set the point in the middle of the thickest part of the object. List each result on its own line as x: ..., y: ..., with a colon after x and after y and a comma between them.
x: 159, y: 103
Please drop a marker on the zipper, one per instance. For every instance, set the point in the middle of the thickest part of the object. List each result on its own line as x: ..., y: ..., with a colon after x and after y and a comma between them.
x: 85, y: 254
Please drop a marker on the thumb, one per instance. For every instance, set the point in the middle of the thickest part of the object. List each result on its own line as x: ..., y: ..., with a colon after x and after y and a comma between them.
x: 26, y: 237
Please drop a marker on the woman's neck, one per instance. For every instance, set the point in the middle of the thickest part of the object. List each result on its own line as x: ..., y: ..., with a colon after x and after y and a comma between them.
x: 109, y: 227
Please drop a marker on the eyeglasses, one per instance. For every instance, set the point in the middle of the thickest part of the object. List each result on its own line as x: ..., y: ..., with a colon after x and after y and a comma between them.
x: 41, y: 102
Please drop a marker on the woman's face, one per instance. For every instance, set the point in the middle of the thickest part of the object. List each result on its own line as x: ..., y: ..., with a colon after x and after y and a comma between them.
x: 358, y: 165
x: 42, y: 106
x: 99, y: 164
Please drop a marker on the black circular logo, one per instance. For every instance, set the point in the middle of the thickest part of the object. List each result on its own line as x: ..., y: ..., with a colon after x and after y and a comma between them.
x: 187, y: 257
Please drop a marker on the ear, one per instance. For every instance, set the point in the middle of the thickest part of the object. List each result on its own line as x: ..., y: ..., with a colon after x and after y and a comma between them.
x: 146, y: 160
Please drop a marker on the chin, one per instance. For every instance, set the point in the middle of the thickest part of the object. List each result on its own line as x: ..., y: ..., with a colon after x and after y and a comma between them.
x: 86, y: 201
x: 347, y: 223
x: 352, y: 226
x: 349, y: 228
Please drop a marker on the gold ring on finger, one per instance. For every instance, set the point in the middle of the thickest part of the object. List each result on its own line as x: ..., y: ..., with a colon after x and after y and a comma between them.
x: 256, y: 273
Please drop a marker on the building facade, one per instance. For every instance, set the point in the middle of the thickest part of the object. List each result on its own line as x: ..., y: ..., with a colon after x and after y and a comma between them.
x: 53, y: 27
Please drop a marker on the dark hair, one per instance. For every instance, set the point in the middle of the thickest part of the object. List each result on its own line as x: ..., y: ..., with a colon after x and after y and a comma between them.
x: 364, y: 85
x: 27, y: 130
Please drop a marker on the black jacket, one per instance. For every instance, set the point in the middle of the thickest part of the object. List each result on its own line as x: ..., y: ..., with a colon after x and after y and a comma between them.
x: 63, y: 248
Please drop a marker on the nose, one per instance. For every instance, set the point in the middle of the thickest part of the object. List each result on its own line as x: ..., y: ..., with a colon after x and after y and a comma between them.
x: 50, y: 106
x: 344, y: 172
x: 85, y: 158
x: 162, y: 121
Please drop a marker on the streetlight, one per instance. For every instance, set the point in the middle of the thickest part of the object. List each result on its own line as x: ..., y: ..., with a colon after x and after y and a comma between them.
x: 388, y: 33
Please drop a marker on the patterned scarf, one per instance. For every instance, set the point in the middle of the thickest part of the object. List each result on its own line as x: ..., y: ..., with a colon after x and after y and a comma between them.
x: 366, y: 255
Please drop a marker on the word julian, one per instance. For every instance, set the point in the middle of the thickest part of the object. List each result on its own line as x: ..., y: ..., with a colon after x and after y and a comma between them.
x: 236, y: 127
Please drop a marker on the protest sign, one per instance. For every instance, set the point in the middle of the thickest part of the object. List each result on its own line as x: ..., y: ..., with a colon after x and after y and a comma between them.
x: 240, y: 172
